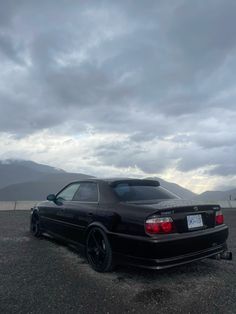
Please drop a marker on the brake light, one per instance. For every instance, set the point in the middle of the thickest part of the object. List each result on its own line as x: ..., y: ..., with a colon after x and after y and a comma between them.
x: 219, y: 218
x: 156, y: 225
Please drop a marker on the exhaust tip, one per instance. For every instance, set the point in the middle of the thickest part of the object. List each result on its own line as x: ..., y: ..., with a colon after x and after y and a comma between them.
x: 227, y: 255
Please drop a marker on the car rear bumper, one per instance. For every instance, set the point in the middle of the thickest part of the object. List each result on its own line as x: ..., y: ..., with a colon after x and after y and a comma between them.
x: 170, y: 250
x: 168, y: 262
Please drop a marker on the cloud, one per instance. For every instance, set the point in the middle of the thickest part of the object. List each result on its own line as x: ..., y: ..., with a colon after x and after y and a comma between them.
x: 8, y: 49
x: 158, y: 75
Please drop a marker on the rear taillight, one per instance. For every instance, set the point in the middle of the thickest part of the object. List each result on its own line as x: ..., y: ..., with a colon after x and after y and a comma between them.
x: 156, y: 225
x: 219, y: 218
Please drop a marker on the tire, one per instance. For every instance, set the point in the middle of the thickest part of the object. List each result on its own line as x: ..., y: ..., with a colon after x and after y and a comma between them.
x: 35, y: 226
x: 98, y: 250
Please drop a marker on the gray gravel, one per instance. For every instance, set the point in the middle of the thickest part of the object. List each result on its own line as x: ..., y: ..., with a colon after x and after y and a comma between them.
x: 44, y: 276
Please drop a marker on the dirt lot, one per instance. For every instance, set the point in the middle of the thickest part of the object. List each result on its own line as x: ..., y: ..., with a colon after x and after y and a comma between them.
x: 42, y: 276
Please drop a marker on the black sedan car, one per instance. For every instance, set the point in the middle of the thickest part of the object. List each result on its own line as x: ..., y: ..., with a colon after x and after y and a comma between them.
x: 131, y: 221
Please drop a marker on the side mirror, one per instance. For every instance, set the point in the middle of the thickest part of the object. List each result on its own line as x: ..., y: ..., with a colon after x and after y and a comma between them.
x: 51, y: 197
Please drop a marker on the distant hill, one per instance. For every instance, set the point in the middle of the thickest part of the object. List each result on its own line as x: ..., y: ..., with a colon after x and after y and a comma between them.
x: 52, y: 183
x: 175, y: 188
x: 18, y: 171
x: 38, y: 190
x: 28, y: 180
x: 217, y: 195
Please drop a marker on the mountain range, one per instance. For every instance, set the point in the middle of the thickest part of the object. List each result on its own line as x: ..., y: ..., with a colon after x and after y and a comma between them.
x: 28, y: 180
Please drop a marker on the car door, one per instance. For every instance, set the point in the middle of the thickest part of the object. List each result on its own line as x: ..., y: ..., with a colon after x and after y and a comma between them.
x: 79, y: 212
x: 58, y: 213
x: 47, y: 211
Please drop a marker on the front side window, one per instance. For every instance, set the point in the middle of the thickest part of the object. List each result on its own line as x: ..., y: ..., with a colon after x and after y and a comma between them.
x: 68, y: 193
x: 87, y: 192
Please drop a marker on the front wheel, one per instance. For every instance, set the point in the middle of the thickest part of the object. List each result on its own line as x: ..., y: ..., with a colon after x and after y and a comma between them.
x: 35, y: 226
x: 98, y: 250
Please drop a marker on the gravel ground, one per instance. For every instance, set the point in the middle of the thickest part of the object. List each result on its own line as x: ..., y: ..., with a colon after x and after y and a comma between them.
x: 44, y: 276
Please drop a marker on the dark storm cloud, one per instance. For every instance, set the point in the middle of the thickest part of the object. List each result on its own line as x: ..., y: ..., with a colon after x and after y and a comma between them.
x: 152, y: 70
x: 7, y: 12
x: 8, y: 49
x: 204, y: 32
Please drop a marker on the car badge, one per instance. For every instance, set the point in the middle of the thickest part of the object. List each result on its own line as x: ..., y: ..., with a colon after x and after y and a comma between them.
x: 195, y: 208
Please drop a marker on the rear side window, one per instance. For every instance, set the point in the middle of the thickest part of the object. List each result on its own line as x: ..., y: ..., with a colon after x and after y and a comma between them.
x: 131, y: 193
x: 87, y: 192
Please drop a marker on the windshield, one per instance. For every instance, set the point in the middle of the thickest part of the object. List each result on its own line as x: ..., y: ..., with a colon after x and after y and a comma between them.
x: 127, y: 192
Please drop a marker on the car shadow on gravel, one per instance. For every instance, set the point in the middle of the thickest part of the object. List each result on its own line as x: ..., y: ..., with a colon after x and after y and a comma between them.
x: 143, y: 287
x: 148, y: 276
x: 124, y: 272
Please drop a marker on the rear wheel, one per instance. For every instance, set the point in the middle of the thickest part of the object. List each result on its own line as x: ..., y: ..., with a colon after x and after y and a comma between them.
x: 98, y: 250
x: 35, y: 226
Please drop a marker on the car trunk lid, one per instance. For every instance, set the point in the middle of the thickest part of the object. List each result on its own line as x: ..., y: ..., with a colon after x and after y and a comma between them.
x: 187, y: 215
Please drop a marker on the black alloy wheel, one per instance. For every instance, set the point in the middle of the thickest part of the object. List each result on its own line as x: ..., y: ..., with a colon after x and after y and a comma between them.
x: 35, y: 226
x: 98, y: 250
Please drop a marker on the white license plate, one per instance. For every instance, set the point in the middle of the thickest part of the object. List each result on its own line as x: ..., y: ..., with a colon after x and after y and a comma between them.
x: 194, y: 221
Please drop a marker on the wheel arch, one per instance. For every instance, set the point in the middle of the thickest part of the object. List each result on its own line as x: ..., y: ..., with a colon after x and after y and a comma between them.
x: 35, y: 213
x: 93, y: 225
x: 95, y: 262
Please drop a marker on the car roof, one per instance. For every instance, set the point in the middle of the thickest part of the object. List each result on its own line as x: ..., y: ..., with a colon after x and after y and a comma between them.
x: 117, y: 180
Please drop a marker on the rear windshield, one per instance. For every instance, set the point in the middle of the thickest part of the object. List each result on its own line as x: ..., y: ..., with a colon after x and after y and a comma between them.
x: 131, y: 193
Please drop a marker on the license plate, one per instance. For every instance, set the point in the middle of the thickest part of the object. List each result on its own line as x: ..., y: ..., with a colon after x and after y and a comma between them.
x: 194, y: 221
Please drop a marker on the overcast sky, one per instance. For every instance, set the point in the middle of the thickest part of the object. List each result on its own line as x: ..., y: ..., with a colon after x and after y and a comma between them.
x: 138, y: 88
